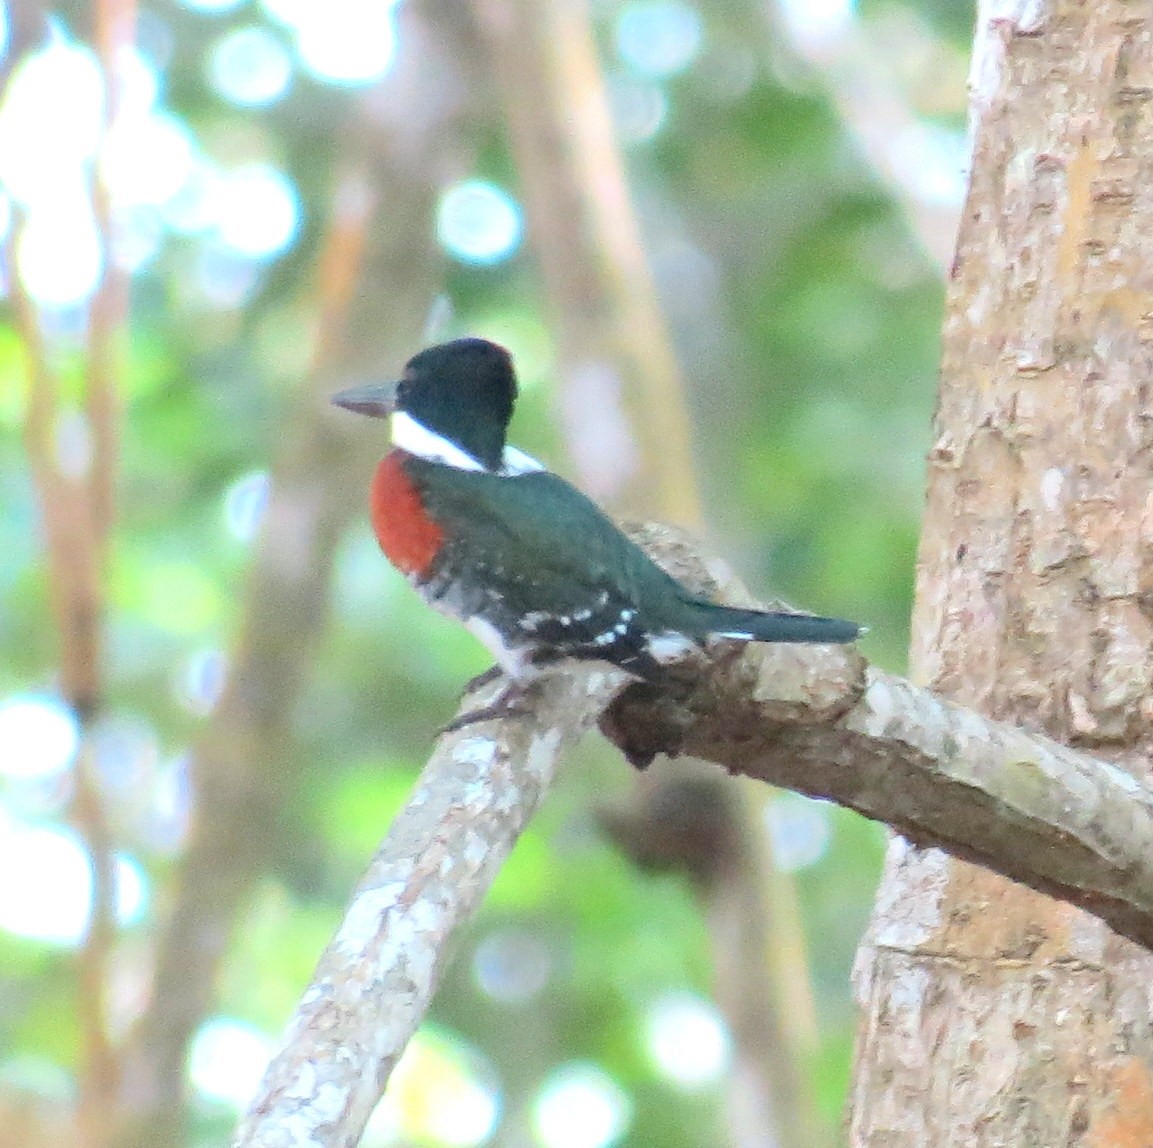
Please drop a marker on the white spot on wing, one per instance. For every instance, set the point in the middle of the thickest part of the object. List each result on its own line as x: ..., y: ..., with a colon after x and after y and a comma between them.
x: 533, y: 619
x: 668, y: 646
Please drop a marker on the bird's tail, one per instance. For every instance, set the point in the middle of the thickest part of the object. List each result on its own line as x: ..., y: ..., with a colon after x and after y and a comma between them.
x: 775, y: 626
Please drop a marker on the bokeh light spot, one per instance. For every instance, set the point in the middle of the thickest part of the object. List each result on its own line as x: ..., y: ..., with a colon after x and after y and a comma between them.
x: 688, y: 1041
x: 478, y: 222
x: 154, y: 38
x: 639, y: 106
x: 223, y: 278
x: 139, y: 84
x: 817, y: 24
x: 39, y: 736
x: 580, y: 1106
x: 346, y: 41
x: 211, y: 5
x: 250, y: 66
x: 58, y: 252
x: 167, y: 820
x: 50, y: 121
x: 511, y: 966
x: 799, y: 830
x: 126, y: 752
x: 244, y: 504
x: 228, y: 1059
x: 147, y: 159
x: 200, y: 684
x: 259, y: 211
x: 658, y: 37
x: 439, y: 1094
x: 53, y: 897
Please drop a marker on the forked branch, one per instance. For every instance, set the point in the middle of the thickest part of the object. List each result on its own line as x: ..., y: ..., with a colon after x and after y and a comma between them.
x: 815, y: 719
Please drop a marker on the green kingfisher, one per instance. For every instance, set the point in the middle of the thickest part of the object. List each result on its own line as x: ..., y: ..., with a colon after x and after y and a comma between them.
x: 535, y: 569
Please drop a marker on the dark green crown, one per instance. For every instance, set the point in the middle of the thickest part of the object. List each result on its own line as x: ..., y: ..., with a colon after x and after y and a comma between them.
x: 464, y: 391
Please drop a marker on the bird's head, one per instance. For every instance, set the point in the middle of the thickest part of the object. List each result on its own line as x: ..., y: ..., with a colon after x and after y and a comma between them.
x: 463, y: 391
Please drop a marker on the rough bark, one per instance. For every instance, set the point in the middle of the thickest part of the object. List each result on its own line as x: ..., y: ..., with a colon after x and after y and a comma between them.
x: 993, y: 1015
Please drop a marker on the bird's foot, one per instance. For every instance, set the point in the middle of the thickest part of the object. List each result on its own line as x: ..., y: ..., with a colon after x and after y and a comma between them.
x: 509, y: 703
x: 482, y: 680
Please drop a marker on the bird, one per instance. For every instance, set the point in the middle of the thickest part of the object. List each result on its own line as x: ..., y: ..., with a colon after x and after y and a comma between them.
x: 525, y: 560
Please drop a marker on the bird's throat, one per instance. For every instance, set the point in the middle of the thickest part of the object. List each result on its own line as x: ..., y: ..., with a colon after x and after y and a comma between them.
x: 411, y: 435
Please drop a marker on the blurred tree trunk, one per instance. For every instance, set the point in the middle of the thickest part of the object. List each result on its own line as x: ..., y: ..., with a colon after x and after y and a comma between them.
x: 993, y: 1015
x: 622, y: 393
x: 377, y: 275
x: 627, y: 428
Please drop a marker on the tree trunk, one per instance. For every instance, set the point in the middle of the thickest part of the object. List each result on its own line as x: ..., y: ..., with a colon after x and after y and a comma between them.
x: 994, y: 1015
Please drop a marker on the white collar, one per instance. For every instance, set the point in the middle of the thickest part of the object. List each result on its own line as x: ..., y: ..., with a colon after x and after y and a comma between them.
x: 416, y: 438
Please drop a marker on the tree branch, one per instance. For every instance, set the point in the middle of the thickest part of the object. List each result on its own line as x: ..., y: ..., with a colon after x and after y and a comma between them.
x: 376, y: 978
x: 815, y: 719
x: 820, y: 721
x: 1070, y: 825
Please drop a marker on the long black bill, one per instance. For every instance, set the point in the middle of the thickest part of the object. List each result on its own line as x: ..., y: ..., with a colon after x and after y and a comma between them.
x: 377, y: 400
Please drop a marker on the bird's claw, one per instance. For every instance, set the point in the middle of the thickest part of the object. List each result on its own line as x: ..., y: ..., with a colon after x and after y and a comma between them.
x: 481, y: 680
x: 509, y: 703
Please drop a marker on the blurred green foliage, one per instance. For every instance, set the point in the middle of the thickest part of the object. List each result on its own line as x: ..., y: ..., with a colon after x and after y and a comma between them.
x: 806, y: 317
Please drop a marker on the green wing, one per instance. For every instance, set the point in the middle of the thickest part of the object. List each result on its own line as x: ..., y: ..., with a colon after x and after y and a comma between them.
x: 544, y: 542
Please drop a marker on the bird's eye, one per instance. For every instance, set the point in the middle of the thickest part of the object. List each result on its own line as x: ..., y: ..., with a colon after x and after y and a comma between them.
x: 404, y: 387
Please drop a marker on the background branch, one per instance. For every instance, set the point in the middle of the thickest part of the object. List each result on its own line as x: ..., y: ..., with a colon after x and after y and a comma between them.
x: 243, y: 769
x: 614, y: 342
x: 76, y: 505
